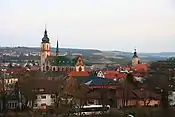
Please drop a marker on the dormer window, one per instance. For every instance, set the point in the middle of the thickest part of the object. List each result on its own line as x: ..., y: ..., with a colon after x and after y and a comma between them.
x: 41, y: 90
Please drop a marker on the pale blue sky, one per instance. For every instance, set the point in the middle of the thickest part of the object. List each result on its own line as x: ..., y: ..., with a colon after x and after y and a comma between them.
x: 148, y: 25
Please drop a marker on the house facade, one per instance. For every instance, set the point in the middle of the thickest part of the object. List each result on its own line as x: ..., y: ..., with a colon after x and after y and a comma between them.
x: 44, y: 100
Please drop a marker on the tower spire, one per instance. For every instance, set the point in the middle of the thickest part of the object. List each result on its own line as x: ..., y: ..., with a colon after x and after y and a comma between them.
x: 45, y: 32
x: 45, y: 26
x: 57, y: 48
x: 135, y: 53
x: 45, y: 39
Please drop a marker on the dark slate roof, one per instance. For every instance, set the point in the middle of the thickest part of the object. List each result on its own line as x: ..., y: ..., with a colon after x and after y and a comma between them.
x: 62, y: 60
x: 110, y: 68
x: 83, y: 79
x: 95, y: 81
x: 135, y: 55
x: 100, y: 82
x: 65, y: 60
x: 45, y: 39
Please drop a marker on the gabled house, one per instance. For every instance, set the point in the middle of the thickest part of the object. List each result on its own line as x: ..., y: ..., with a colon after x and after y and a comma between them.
x: 41, y: 92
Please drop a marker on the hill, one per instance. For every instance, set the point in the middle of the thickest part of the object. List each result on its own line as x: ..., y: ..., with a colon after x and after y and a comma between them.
x: 94, y: 55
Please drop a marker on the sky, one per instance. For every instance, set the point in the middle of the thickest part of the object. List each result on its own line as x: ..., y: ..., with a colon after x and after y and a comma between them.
x: 148, y: 25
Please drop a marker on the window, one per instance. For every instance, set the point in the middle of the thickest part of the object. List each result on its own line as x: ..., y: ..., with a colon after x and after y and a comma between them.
x: 12, y: 104
x: 47, y: 47
x: 34, y: 90
x: 35, y: 105
x: 43, y: 104
x: 52, y: 96
x: 47, y: 68
x: 41, y: 90
x: 54, y: 69
x: 43, y: 97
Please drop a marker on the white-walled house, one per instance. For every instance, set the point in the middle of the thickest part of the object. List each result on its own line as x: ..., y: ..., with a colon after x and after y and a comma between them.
x: 42, y: 92
x: 172, y: 98
x: 44, y: 100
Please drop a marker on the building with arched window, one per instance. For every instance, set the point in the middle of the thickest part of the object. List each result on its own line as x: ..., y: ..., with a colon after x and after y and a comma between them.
x: 66, y: 63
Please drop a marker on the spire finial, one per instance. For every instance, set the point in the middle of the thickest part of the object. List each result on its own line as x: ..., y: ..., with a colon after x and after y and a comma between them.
x: 45, y: 32
x: 45, y: 26
x: 57, y: 48
x: 135, y: 49
x: 45, y: 39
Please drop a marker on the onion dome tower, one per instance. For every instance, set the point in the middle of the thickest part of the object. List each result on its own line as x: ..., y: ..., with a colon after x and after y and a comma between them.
x: 135, y: 59
x: 45, y: 50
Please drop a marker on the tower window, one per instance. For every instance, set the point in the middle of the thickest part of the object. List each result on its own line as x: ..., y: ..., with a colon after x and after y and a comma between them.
x: 43, y: 47
x: 47, y: 47
x: 54, y: 69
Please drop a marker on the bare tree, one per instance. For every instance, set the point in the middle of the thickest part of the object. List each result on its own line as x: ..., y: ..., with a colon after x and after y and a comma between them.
x: 74, y: 91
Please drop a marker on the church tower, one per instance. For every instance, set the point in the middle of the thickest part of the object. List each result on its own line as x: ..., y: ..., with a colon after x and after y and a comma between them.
x: 45, y: 50
x: 135, y: 58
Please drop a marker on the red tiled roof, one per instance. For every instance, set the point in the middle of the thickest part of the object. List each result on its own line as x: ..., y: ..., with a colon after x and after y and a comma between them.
x: 114, y: 74
x: 121, y: 75
x: 111, y: 74
x: 16, y: 70
x: 74, y: 73
x: 141, y: 67
x: 139, y: 74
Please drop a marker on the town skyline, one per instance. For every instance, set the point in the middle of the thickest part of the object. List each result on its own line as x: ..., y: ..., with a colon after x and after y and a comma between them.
x: 146, y: 25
